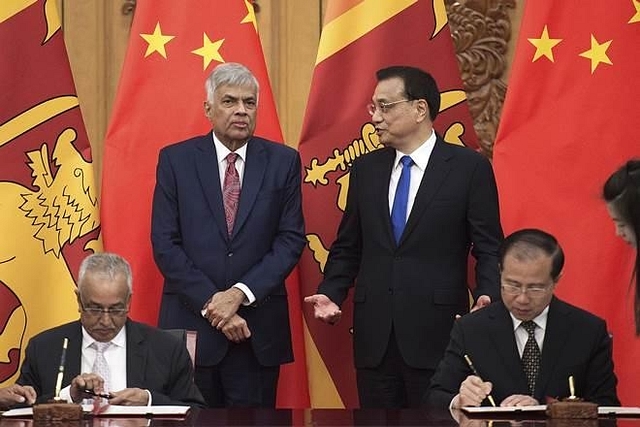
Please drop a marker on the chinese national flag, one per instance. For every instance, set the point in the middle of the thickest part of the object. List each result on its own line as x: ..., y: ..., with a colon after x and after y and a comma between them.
x: 569, y: 120
x: 358, y: 38
x: 172, y: 49
x: 48, y: 201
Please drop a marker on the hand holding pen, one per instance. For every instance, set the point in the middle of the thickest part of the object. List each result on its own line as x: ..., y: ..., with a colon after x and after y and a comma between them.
x: 474, y: 390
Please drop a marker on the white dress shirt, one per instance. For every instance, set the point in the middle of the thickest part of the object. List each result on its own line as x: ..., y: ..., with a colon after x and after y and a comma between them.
x: 420, y: 158
x: 221, y: 153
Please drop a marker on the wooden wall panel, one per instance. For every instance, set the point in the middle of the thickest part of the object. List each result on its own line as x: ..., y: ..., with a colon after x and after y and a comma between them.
x: 290, y: 32
x: 96, y: 34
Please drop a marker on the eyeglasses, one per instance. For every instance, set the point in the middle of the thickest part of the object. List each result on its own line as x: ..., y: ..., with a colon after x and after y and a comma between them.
x: 383, y: 107
x: 533, y: 290
x: 99, y: 311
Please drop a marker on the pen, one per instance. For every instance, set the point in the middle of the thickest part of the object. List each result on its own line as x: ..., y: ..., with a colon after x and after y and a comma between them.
x: 61, y: 367
x: 475, y: 372
x: 93, y: 393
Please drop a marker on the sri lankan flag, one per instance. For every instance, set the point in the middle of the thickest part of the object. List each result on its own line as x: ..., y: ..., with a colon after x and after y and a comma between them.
x: 48, y: 202
x: 358, y: 38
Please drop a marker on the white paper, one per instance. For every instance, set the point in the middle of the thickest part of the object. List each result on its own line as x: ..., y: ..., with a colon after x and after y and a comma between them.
x: 618, y: 410
x: 113, y: 410
x: 503, y: 409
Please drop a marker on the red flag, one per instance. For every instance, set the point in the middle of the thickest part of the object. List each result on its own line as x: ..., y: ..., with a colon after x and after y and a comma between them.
x: 48, y: 201
x: 358, y: 38
x: 568, y: 122
x: 172, y: 50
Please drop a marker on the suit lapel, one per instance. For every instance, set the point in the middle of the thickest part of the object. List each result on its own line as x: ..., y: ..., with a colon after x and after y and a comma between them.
x: 209, y: 176
x: 555, y: 336
x: 73, y: 361
x: 437, y: 170
x: 254, y: 170
x: 504, y: 340
x: 379, y: 182
x: 136, y: 355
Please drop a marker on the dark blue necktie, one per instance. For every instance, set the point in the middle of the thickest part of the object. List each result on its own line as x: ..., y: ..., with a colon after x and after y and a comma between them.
x: 399, y: 209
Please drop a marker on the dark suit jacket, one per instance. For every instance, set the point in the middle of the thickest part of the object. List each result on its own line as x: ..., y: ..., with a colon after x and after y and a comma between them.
x: 575, y: 343
x: 419, y: 285
x: 198, y: 259
x: 156, y: 361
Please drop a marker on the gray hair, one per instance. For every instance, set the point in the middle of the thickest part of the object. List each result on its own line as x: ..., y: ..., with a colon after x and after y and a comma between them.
x: 106, y: 264
x: 232, y: 74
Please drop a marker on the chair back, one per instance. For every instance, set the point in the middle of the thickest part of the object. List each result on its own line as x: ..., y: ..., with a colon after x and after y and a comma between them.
x: 189, y: 339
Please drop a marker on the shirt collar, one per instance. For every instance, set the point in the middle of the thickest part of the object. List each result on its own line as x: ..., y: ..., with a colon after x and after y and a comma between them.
x: 119, y: 340
x: 222, y: 151
x: 420, y: 155
x: 540, y: 319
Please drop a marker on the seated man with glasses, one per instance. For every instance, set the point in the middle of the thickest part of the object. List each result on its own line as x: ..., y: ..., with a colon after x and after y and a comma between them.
x: 109, y: 355
x: 522, y: 350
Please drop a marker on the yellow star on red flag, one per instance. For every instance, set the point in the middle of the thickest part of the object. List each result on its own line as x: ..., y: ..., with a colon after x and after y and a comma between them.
x: 635, y: 18
x: 209, y: 51
x: 157, y: 41
x: 544, y: 45
x: 597, y: 53
x: 251, y: 15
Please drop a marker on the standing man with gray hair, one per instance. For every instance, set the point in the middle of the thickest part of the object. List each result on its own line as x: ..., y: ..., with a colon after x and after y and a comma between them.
x: 226, y: 230
x: 107, y: 353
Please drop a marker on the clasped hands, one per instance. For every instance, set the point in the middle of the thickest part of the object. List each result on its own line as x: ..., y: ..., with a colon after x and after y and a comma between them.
x: 95, y: 383
x: 221, y: 312
x: 473, y: 391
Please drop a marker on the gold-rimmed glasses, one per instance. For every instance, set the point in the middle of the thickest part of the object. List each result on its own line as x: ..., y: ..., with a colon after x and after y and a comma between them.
x: 99, y: 311
x: 532, y: 290
x: 383, y: 107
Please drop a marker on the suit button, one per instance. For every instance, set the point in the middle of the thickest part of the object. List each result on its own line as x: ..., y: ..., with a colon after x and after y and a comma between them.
x: 397, y: 258
x: 390, y: 291
x: 229, y: 254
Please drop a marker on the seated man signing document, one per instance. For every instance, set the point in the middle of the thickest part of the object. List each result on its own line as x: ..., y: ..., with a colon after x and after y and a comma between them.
x: 525, y: 347
x: 107, y: 353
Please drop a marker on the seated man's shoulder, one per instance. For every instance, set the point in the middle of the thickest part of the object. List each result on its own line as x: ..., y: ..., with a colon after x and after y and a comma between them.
x: 584, y: 317
x: 162, y: 337
x: 56, y: 332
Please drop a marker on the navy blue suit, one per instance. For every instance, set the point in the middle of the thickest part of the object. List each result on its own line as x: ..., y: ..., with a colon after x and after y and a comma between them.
x: 197, y: 257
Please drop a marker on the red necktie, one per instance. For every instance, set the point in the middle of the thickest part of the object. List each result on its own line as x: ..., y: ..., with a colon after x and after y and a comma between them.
x: 231, y: 191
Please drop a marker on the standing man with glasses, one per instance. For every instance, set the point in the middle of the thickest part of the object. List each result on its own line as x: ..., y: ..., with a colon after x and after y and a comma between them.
x: 107, y: 353
x: 414, y: 211
x: 227, y: 229
x: 525, y: 348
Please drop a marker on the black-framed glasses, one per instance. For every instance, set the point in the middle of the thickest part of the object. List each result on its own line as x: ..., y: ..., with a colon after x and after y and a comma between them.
x: 383, y: 107
x: 533, y: 290
x: 99, y: 311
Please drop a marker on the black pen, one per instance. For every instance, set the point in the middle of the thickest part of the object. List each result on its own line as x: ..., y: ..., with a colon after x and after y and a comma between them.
x: 94, y: 394
x: 473, y: 369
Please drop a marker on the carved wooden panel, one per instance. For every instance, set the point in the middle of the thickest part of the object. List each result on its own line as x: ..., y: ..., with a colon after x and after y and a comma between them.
x: 481, y: 31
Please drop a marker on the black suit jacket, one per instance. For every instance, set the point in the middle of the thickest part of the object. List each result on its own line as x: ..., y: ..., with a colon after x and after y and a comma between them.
x: 419, y: 285
x: 156, y: 361
x: 197, y: 257
x: 575, y: 343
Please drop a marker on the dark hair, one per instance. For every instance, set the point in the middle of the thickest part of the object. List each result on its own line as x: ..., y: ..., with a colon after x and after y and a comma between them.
x: 523, y: 241
x: 622, y: 191
x: 418, y: 84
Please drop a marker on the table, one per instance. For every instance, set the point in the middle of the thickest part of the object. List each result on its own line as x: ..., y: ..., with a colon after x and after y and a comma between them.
x: 331, y: 417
